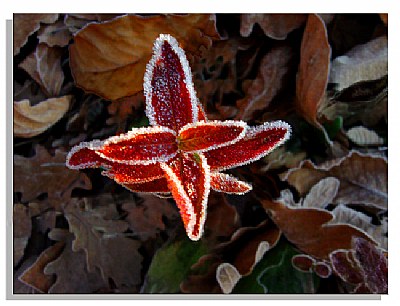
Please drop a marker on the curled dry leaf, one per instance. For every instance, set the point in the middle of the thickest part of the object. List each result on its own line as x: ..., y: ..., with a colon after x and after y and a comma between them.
x: 363, y: 178
x: 110, y: 58
x: 56, y: 34
x: 313, y: 70
x: 34, y: 276
x: 104, y: 243
x: 245, y: 249
x: 309, y: 230
x: 44, y: 173
x: 344, y: 214
x: 276, y: 26
x: 322, y: 193
x: 263, y: 89
x: 362, y: 63
x: 44, y: 66
x: 22, y: 227
x: 27, y: 24
x: 364, y: 137
x: 30, y: 121
x: 227, y: 277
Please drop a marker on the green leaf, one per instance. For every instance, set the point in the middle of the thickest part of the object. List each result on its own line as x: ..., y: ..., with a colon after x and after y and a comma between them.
x: 275, y: 274
x: 171, y: 264
x: 333, y: 128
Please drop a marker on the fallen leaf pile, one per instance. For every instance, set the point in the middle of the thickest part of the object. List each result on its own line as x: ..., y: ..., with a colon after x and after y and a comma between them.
x: 316, y: 220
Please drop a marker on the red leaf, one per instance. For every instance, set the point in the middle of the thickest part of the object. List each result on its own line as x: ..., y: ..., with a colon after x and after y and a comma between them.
x: 258, y: 142
x: 210, y: 135
x: 227, y: 183
x: 156, y: 186
x: 168, y: 87
x: 188, y: 177
x: 140, y: 146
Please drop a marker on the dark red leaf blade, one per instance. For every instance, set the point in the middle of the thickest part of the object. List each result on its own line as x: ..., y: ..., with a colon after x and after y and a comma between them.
x: 140, y: 146
x: 188, y: 177
x: 168, y: 87
x: 228, y: 184
x: 257, y: 142
x: 156, y: 186
x: 204, y: 136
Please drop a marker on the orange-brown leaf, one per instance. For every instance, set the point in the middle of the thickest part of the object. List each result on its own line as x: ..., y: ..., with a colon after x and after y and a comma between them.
x: 313, y: 72
x: 110, y: 58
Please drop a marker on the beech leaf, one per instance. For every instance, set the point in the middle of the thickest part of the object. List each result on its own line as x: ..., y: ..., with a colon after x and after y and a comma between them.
x: 276, y: 26
x: 110, y: 58
x: 309, y: 230
x: 364, y: 62
x: 27, y: 24
x: 312, y: 77
x: 267, y: 84
x: 56, y: 34
x: 364, y: 137
x: 322, y: 193
x: 30, y: 120
x: 363, y: 178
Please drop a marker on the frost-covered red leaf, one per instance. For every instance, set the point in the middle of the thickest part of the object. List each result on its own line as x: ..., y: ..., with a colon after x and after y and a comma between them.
x: 188, y: 178
x: 110, y: 58
x: 228, y: 184
x: 257, y: 142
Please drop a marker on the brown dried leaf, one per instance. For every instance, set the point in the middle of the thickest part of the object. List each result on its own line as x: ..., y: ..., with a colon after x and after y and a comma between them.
x: 75, y: 22
x: 29, y: 90
x: 104, y: 243
x: 280, y: 157
x: 22, y: 227
x: 313, y: 72
x: 322, y: 193
x: 30, y: 121
x: 261, y: 91
x: 70, y: 272
x: 362, y: 63
x: 276, y: 26
x: 363, y: 178
x: 245, y: 249
x: 110, y: 58
x: 146, y: 218
x: 18, y: 286
x: 34, y: 276
x: 44, y: 173
x: 346, y: 215
x: 56, y: 34
x: 364, y: 137
x: 309, y: 230
x: 384, y: 17
x: 27, y: 24
x: 122, y: 108
x: 44, y: 66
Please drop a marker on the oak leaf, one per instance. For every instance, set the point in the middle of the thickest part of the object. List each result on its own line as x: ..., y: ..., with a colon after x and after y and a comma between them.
x: 44, y: 173
x: 22, y: 227
x: 276, y: 26
x: 103, y: 241
x: 110, y: 58
x: 30, y: 121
